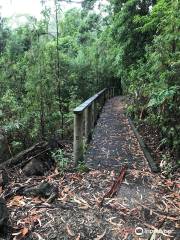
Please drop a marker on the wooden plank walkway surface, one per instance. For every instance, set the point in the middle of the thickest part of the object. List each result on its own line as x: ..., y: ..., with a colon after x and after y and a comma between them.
x: 114, y: 143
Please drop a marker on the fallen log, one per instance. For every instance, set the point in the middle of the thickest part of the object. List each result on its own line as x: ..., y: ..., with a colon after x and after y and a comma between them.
x: 40, y: 149
x: 34, y: 161
x: 44, y: 190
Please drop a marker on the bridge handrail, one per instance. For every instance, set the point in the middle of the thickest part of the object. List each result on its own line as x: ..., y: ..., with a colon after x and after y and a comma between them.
x: 84, y: 123
x: 89, y: 101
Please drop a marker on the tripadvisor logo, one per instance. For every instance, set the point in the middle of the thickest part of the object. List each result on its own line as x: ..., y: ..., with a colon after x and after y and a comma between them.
x: 139, y: 231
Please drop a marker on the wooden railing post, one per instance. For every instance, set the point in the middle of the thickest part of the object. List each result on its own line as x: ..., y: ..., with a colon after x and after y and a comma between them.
x: 113, y: 91
x: 88, y: 123
x: 90, y: 109
x: 96, y: 107
x: 104, y: 97
x: 109, y: 93
x: 101, y: 102
x: 78, y: 137
x: 94, y: 113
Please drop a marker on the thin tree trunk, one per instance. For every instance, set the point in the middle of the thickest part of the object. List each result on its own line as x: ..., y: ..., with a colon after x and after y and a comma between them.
x: 42, y: 115
x: 58, y: 69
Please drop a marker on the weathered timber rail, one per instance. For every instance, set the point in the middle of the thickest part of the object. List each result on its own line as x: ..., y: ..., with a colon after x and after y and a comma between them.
x: 85, y: 118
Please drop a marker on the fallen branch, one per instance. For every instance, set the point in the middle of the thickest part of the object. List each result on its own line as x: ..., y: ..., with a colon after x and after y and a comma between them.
x: 115, y: 185
x: 25, y: 156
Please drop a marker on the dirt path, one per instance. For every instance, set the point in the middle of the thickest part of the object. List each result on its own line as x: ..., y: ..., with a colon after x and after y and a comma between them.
x: 145, y: 202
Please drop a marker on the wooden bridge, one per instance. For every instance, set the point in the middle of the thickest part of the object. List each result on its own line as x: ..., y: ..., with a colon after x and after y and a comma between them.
x: 114, y: 139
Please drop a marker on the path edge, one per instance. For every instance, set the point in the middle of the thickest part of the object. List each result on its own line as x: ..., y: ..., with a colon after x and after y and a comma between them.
x: 153, y: 166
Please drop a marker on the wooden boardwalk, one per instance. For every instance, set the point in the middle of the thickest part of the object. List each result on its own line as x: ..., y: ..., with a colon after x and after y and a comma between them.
x: 114, y: 143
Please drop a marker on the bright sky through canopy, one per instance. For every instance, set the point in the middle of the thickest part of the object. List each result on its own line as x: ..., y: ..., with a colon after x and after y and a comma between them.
x: 31, y: 7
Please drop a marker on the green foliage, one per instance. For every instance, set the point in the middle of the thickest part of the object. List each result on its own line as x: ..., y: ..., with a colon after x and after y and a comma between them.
x: 82, y: 168
x: 49, y: 66
x: 44, y: 76
x: 60, y: 159
x: 154, y: 79
x: 162, y: 96
x: 166, y: 165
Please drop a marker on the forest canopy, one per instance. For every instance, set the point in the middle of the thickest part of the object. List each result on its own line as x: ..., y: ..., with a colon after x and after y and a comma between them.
x: 50, y: 65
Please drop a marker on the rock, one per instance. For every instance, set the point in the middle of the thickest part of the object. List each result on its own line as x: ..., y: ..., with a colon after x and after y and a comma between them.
x: 3, y: 215
x: 34, y: 168
x: 54, y: 143
x: 45, y: 190
x: 37, y: 167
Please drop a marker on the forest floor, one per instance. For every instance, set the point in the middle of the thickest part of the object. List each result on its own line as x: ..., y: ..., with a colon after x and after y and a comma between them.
x: 142, y: 205
x: 152, y: 139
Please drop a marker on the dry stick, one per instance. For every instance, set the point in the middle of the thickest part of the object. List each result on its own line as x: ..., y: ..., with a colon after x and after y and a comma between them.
x: 172, y: 218
x: 115, y: 185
